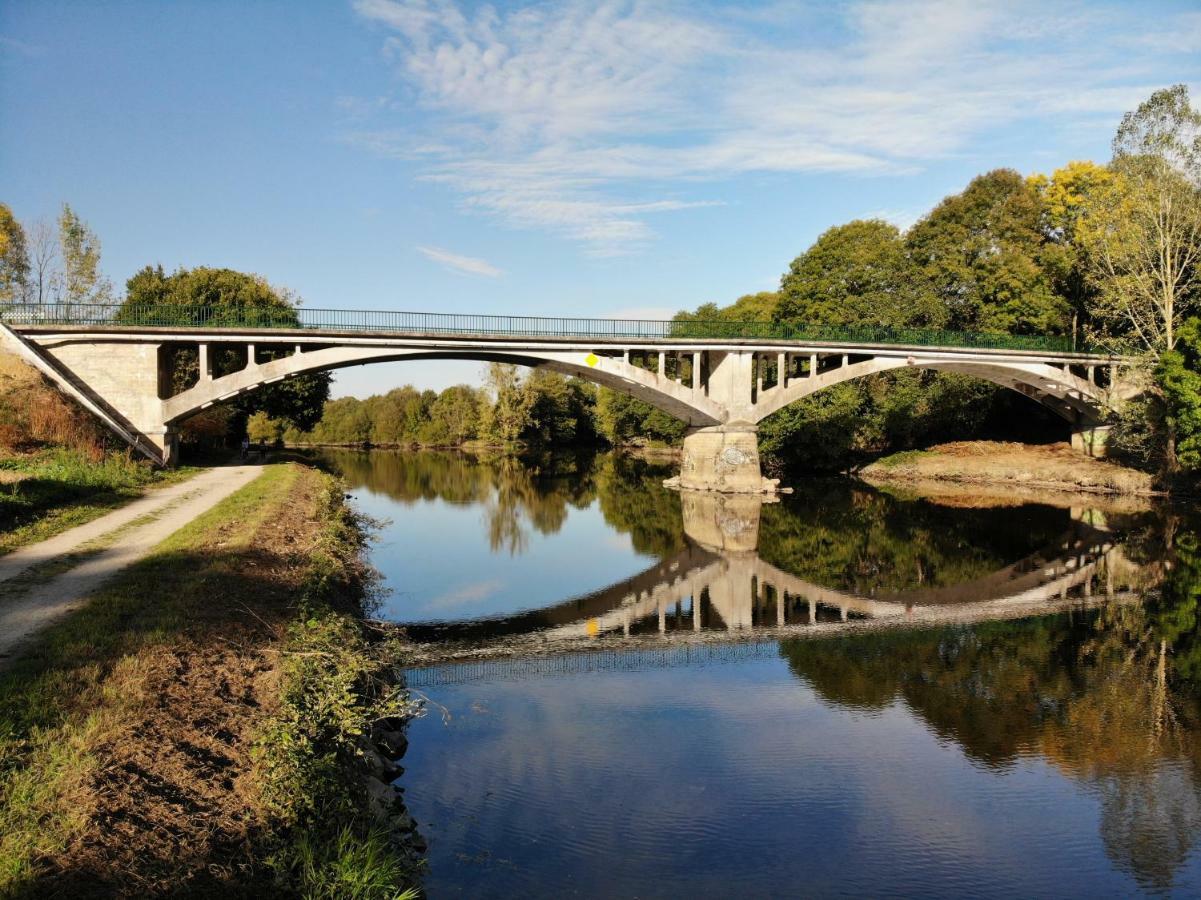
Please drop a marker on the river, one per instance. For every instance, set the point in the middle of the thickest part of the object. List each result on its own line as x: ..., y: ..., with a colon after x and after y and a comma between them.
x: 634, y: 693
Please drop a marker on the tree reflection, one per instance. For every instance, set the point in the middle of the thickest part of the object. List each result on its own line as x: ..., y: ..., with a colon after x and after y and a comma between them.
x: 1110, y: 697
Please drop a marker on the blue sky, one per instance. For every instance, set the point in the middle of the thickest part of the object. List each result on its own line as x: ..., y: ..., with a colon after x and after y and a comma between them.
x: 577, y: 158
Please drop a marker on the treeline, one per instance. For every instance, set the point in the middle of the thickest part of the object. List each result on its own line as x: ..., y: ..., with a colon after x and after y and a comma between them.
x: 538, y: 409
x: 1106, y: 255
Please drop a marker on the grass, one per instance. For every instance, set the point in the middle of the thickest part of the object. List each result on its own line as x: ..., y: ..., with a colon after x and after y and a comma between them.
x: 87, y: 691
x: 310, y: 753
x: 80, y: 683
x: 902, y: 458
x: 45, y: 493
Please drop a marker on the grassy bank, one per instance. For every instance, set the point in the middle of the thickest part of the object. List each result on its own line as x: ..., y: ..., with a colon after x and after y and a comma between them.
x: 199, y: 726
x: 49, y: 491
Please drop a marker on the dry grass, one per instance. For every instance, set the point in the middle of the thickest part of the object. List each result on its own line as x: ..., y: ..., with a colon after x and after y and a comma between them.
x: 1034, y: 466
x: 33, y: 413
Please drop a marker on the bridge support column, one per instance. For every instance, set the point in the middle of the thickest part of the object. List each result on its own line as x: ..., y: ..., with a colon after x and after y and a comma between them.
x: 1090, y: 439
x: 723, y: 458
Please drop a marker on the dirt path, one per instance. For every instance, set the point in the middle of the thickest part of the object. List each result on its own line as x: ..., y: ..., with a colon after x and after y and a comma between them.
x: 43, y: 582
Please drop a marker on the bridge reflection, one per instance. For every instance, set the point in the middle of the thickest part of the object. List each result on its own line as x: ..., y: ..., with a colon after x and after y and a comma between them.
x: 719, y: 582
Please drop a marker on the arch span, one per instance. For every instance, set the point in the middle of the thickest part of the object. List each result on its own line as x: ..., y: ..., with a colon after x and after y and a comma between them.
x: 1076, y: 399
x: 685, y: 402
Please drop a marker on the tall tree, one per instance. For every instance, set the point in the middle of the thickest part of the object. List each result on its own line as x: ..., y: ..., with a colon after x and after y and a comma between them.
x: 182, y: 295
x: 83, y: 282
x: 510, y: 414
x: 1179, y: 375
x: 1142, y: 235
x: 45, y: 269
x: 1066, y: 196
x: 979, y: 252
x: 855, y: 274
x: 14, y: 258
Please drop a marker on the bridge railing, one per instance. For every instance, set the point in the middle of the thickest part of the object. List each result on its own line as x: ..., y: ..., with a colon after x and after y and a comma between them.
x: 166, y: 315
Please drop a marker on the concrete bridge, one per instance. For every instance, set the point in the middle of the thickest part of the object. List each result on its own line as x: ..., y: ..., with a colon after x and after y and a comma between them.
x: 721, y: 378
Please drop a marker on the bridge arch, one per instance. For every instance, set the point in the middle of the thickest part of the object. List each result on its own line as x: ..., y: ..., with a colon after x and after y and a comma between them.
x: 1076, y: 399
x: 683, y: 402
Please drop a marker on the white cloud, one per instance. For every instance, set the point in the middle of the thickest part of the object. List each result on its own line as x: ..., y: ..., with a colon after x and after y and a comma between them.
x: 464, y: 265
x: 466, y: 594
x: 587, y: 119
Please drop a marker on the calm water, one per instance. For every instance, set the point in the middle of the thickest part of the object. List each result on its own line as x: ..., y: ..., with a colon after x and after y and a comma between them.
x: 1033, y: 728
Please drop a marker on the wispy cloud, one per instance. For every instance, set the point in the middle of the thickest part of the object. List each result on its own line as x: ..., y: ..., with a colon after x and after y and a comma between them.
x: 466, y: 594
x: 20, y: 48
x: 589, y: 119
x: 464, y: 265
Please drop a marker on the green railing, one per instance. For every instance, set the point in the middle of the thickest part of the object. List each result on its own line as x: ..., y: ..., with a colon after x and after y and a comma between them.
x: 394, y: 322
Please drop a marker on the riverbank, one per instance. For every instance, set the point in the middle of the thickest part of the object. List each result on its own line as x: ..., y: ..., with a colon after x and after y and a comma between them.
x: 46, y: 492
x: 209, y: 722
x: 1031, y: 467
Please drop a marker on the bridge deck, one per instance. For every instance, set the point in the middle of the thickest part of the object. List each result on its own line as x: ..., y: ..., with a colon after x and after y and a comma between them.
x: 350, y: 324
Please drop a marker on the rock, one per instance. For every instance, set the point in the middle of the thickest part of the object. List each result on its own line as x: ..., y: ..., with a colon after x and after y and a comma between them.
x: 393, y: 743
x: 383, y: 798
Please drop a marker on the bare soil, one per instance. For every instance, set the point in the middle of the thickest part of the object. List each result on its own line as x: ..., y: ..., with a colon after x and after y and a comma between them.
x: 1033, y: 468
x: 172, y: 807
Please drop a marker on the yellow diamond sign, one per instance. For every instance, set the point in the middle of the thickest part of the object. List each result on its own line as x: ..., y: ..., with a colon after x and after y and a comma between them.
x: 592, y: 359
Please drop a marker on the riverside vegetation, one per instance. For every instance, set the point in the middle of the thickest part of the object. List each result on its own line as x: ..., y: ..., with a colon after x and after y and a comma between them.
x: 224, y: 695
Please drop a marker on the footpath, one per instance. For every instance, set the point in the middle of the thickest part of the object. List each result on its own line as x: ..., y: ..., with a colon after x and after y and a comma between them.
x: 43, y: 582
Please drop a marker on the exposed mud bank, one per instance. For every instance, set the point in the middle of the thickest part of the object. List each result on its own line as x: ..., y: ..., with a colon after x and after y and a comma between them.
x: 1037, y: 470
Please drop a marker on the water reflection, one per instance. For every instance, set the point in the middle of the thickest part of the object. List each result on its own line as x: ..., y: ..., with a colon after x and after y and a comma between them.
x: 985, y: 749
x: 834, y: 553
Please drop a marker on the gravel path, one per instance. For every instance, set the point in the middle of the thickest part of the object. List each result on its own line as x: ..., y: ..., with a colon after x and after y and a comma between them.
x: 42, y: 582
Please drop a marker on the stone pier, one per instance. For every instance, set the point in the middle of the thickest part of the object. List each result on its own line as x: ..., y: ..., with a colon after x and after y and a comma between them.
x: 723, y: 458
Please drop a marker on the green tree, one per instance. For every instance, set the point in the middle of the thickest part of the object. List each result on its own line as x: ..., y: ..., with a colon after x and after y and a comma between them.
x: 1179, y: 377
x: 82, y: 280
x: 262, y: 429
x: 209, y: 296
x: 455, y: 416
x: 622, y: 419
x: 14, y: 258
x: 855, y: 274
x: 1143, y: 232
x: 758, y: 307
x: 510, y: 415
x: 979, y: 253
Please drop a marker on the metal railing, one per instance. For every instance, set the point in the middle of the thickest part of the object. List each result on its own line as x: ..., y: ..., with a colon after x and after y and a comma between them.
x: 420, y: 323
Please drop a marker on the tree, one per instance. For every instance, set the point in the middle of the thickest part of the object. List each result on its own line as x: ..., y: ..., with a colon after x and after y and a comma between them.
x: 262, y: 429
x: 210, y: 296
x: 14, y: 258
x: 510, y: 413
x: 455, y: 416
x: 1066, y: 197
x: 1179, y: 377
x: 1142, y: 234
x: 979, y: 253
x: 45, y: 276
x: 758, y: 307
x: 82, y: 280
x: 1164, y: 126
x: 855, y: 274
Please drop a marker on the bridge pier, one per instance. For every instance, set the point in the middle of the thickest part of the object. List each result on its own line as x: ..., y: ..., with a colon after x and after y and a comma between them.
x: 723, y: 458
x: 1090, y: 439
